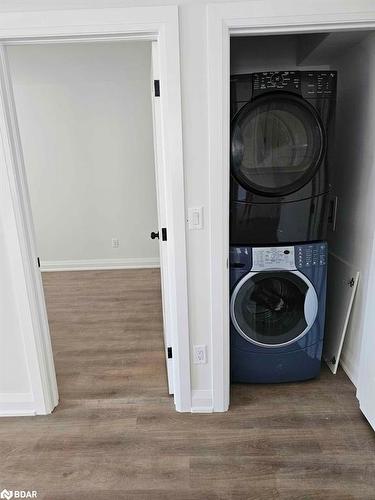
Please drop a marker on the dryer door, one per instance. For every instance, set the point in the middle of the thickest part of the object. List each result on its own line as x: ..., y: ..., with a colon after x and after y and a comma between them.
x: 273, y: 308
x: 277, y: 144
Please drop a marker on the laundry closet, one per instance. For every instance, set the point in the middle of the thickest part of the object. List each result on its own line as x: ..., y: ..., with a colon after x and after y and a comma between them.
x: 302, y: 203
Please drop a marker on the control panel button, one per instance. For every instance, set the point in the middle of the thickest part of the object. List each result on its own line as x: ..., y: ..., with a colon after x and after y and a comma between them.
x: 311, y: 255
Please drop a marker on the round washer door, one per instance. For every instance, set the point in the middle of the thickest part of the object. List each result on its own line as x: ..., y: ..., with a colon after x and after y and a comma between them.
x: 277, y: 144
x: 273, y: 308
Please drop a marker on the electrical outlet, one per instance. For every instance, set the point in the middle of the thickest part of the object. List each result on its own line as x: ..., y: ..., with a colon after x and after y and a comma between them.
x: 200, y: 354
x: 115, y: 242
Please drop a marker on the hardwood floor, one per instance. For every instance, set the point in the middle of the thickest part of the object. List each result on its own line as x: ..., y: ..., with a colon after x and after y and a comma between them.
x: 115, y: 434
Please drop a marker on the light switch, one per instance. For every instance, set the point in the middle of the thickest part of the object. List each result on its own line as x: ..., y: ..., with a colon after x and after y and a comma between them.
x: 195, y: 218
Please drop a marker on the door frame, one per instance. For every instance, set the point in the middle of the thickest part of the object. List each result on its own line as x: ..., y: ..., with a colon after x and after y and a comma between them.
x: 259, y: 17
x: 81, y: 26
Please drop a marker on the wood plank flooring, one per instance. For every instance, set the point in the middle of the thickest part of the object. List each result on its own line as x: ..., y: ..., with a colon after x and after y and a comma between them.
x: 115, y: 434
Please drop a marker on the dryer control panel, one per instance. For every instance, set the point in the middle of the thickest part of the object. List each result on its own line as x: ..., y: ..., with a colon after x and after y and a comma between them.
x: 276, y: 80
x: 315, y: 84
x: 309, y: 84
x: 311, y: 255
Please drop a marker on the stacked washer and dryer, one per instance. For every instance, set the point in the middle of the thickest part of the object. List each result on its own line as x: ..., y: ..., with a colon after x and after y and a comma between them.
x: 281, y: 130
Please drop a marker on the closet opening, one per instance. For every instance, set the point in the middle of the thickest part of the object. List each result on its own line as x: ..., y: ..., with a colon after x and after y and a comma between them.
x: 301, y: 204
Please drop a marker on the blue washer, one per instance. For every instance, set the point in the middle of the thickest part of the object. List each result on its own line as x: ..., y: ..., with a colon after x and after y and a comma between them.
x: 277, y: 308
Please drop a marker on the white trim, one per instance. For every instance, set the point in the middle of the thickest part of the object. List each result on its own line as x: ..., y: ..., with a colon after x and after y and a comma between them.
x: 98, y: 264
x: 12, y: 397
x: 75, y: 23
x: 26, y: 278
x: 82, y: 25
x: 201, y: 401
x: 364, y: 379
x: 349, y: 369
x: 16, y: 412
x: 256, y: 17
x: 17, y: 404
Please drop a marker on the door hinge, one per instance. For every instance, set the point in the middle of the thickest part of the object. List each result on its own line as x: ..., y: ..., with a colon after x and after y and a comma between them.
x: 164, y: 234
x: 169, y: 351
x: 157, y: 88
x: 38, y: 260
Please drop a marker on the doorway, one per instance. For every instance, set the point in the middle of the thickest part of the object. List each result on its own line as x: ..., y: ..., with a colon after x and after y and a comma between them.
x: 161, y: 27
x: 86, y: 125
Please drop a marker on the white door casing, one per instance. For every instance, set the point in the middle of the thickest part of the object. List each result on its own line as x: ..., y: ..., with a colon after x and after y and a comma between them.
x: 366, y: 379
x: 81, y: 26
x: 26, y: 274
x: 259, y: 17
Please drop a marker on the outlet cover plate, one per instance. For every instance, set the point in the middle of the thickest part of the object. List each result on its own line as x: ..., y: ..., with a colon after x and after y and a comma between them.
x: 200, y: 354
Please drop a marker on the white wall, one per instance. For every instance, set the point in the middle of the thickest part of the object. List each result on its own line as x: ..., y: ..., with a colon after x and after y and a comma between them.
x: 354, y: 180
x: 193, y: 47
x: 85, y: 120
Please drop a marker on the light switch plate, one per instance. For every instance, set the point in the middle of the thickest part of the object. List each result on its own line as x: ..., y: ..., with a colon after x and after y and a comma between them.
x: 195, y: 217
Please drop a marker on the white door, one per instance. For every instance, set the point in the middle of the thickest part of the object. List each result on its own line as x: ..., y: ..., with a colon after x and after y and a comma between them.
x: 366, y: 379
x: 162, y: 193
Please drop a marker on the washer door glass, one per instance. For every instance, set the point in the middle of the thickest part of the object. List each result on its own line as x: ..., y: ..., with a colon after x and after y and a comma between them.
x: 277, y: 144
x: 269, y: 308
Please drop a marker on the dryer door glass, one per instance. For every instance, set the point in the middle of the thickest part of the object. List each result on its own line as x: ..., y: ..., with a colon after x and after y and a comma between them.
x: 269, y: 308
x: 277, y: 144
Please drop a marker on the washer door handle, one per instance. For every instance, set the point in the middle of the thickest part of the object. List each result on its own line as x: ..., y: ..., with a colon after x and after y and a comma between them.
x: 311, y: 306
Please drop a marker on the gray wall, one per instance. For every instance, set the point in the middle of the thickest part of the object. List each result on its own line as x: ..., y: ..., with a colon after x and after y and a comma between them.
x: 353, y: 180
x: 85, y: 119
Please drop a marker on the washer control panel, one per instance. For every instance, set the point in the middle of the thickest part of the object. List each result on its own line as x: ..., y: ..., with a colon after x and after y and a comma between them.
x: 311, y: 255
x: 273, y: 258
x: 289, y: 257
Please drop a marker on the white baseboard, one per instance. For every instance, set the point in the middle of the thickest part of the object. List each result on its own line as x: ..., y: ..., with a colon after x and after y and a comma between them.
x: 201, y: 401
x: 17, y: 405
x: 16, y: 397
x: 16, y: 412
x: 98, y: 264
x: 349, y: 369
x: 368, y: 412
